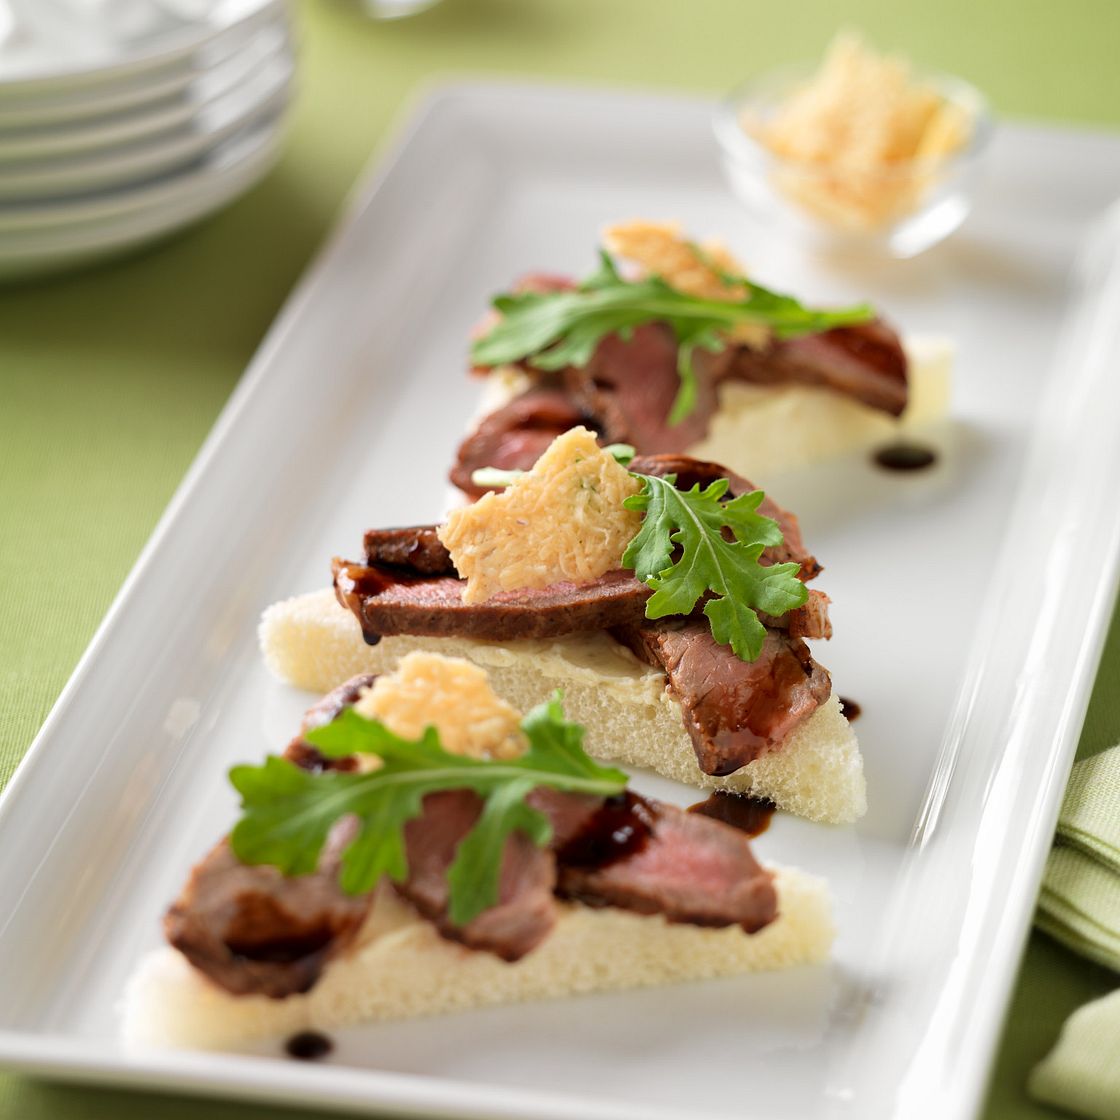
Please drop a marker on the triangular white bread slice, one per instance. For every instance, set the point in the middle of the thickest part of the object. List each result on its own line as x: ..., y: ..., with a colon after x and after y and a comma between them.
x: 402, y: 968
x: 313, y: 642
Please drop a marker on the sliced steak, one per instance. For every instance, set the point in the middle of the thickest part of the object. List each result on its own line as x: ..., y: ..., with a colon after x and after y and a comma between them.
x: 417, y: 548
x: 308, y: 757
x: 255, y: 931
x: 642, y: 855
x: 733, y: 710
x: 687, y: 867
x: 526, y: 909
x: 385, y: 601
x: 344, y: 696
x: 807, y: 621
x: 625, y: 851
x: 630, y: 384
x: 866, y: 362
x: 515, y: 436
x: 692, y: 472
x: 311, y: 759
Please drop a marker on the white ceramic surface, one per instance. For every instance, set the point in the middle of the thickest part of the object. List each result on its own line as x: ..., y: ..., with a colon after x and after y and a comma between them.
x: 229, y: 172
x: 51, y: 47
x: 55, y: 193
x: 209, y: 94
x: 21, y: 109
x: 970, y: 605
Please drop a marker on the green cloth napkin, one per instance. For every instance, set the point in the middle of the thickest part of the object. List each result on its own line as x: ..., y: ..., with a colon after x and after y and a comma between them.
x: 1082, y: 1072
x: 1080, y: 906
x: 1080, y: 900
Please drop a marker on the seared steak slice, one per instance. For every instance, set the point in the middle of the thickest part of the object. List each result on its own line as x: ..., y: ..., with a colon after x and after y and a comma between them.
x: 255, y: 931
x: 311, y: 759
x: 386, y: 601
x: 301, y: 752
x: 625, y: 851
x: 642, y: 855
x: 568, y: 813
x: 417, y: 548
x: 807, y: 621
x: 515, y: 436
x: 687, y: 867
x: 692, y: 472
x: 866, y: 362
x: 733, y: 710
x: 344, y: 696
x: 526, y: 909
x: 630, y: 384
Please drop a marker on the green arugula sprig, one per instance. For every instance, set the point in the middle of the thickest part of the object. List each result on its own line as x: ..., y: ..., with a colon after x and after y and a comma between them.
x: 288, y: 812
x: 551, y: 330
x: 681, y: 552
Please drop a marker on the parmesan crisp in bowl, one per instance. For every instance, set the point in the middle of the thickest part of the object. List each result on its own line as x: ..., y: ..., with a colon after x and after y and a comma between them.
x: 863, y: 155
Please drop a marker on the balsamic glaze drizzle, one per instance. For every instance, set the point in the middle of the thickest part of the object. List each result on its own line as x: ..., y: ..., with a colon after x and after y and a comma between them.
x: 748, y: 814
x: 905, y: 457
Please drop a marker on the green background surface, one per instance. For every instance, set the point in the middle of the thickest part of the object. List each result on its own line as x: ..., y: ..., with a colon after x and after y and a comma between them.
x: 110, y: 379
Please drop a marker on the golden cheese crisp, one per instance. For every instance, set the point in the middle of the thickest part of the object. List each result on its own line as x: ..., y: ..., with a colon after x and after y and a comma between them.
x: 661, y: 249
x: 853, y: 132
x: 563, y: 520
x: 453, y: 696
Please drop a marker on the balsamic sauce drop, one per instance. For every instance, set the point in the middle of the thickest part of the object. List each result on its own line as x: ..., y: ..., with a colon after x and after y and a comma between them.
x: 849, y: 709
x: 748, y: 814
x: 905, y: 457
x: 308, y: 1046
x: 620, y: 828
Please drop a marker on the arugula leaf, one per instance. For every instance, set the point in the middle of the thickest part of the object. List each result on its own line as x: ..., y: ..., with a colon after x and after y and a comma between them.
x: 552, y: 330
x: 473, y: 875
x: 680, y: 551
x: 287, y: 813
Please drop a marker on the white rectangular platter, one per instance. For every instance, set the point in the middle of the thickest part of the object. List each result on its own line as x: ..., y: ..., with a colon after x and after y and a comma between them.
x: 970, y: 605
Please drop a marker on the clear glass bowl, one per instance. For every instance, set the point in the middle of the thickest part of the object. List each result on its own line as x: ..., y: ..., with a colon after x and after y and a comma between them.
x: 917, y: 203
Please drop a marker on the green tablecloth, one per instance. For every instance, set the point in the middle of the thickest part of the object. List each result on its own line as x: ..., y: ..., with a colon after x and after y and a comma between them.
x: 110, y: 379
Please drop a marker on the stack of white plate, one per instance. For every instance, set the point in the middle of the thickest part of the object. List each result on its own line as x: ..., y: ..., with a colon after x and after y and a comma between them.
x: 122, y: 120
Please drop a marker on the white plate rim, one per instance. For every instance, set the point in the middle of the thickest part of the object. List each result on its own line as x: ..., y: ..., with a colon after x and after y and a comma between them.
x: 88, y: 138
x: 173, y: 51
x: 222, y: 160
x: 135, y: 229
x: 129, y: 172
x: 76, y: 1061
x: 52, y: 108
